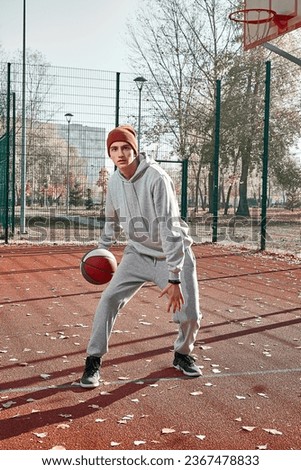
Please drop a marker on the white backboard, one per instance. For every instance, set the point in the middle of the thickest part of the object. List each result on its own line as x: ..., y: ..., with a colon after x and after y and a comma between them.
x: 287, y: 18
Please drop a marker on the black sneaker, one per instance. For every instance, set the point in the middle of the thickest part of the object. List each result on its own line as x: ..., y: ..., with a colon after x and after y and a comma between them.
x: 186, y: 364
x: 91, y: 373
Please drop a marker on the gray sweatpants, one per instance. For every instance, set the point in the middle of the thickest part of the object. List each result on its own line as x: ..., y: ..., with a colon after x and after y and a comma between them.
x: 133, y: 271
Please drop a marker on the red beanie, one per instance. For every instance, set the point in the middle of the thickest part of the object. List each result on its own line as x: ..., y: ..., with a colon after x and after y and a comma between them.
x: 123, y: 134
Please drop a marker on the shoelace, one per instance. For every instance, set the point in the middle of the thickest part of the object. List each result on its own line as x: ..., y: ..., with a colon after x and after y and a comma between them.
x: 92, y: 367
x: 189, y: 359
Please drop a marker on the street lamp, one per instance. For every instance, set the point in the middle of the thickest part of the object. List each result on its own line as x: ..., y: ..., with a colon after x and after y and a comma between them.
x: 68, y: 116
x: 139, y: 82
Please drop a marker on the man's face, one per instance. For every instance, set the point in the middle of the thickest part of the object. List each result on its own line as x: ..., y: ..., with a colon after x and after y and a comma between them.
x: 122, y: 155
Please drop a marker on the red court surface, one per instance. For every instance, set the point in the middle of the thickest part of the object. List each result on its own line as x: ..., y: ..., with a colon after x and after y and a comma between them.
x: 249, y: 347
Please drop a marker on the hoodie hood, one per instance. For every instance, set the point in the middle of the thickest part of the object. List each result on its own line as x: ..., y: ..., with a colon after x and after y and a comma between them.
x: 144, y: 163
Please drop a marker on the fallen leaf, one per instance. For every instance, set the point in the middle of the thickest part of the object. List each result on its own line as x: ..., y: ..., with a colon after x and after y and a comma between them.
x: 167, y: 430
x: 45, y: 376
x: 248, y: 428
x: 240, y: 397
x: 262, y: 446
x: 264, y: 395
x: 200, y: 436
x: 40, y: 434
x: 273, y: 431
x: 138, y: 443
x: 63, y: 426
x: 196, y: 393
x: 128, y: 417
x: 114, y: 444
x: 8, y: 404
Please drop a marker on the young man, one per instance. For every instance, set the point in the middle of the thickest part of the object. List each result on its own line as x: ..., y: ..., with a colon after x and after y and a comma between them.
x: 141, y: 201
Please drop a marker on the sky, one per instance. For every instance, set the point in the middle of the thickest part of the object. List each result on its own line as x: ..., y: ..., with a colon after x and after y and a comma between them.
x: 87, y: 34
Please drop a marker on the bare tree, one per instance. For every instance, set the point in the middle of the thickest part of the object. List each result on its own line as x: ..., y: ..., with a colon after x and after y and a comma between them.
x: 182, y: 44
x: 186, y: 46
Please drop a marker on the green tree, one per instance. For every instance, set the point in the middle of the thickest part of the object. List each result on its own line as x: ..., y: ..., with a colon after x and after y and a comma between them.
x: 288, y: 176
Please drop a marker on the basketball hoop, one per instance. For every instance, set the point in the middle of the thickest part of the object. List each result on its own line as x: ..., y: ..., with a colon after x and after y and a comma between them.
x: 256, y: 22
x: 253, y: 16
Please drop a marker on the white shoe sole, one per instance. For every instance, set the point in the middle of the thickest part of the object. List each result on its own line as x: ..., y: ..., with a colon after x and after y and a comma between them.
x: 189, y: 374
x: 91, y: 385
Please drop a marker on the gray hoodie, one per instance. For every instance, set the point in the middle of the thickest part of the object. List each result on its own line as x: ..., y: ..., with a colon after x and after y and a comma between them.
x: 145, y: 208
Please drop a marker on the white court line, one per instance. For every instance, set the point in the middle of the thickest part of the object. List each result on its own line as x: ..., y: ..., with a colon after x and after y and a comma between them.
x: 154, y: 380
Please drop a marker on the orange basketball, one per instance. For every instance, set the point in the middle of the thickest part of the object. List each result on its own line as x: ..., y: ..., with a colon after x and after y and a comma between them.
x: 98, y: 266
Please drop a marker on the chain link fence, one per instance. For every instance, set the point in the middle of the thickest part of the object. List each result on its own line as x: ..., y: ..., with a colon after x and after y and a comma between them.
x: 69, y: 112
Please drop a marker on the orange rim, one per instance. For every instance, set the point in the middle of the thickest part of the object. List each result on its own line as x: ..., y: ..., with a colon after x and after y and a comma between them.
x: 270, y: 17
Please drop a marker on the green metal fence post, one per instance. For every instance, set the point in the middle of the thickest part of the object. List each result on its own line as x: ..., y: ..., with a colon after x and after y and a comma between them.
x: 184, y: 189
x: 216, y: 161
x: 117, y: 105
x: 7, y: 154
x: 265, y: 157
x: 117, y: 97
x: 13, y: 175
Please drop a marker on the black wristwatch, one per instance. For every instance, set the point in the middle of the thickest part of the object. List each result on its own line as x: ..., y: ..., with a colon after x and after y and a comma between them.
x: 174, y: 281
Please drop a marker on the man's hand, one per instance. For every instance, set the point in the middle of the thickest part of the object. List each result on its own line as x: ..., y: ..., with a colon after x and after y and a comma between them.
x: 175, y: 296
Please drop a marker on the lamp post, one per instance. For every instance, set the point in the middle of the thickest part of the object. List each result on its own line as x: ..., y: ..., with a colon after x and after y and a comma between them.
x: 139, y: 82
x: 68, y: 116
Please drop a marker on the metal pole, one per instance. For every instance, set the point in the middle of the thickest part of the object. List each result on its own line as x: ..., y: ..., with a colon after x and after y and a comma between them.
x: 68, y: 171
x: 117, y: 99
x: 68, y: 116
x: 265, y: 157
x: 7, y: 154
x: 282, y: 53
x: 23, y: 144
x: 184, y: 189
x: 13, y: 182
x: 139, y: 119
x: 216, y: 161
